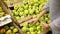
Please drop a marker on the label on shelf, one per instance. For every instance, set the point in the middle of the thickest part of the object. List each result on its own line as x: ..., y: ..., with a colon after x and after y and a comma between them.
x: 5, y: 20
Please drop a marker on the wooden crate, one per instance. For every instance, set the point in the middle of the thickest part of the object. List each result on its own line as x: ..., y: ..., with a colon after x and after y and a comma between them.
x: 9, y: 12
x: 6, y: 10
x: 13, y: 3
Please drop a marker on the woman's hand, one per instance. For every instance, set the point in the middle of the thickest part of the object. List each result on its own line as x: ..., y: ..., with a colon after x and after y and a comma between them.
x: 33, y: 20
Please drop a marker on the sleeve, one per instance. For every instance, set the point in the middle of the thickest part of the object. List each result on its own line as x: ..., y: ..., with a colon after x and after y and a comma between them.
x: 55, y: 25
x: 46, y: 7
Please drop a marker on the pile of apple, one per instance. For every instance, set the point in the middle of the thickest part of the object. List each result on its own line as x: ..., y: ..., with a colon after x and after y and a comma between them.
x: 29, y: 29
x: 8, y: 29
x: 33, y: 8
x: 1, y: 12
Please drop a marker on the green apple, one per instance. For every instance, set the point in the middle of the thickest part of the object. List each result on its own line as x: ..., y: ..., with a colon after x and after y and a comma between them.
x: 15, y: 7
x: 22, y: 17
x: 39, y: 32
x: 16, y: 13
x: 30, y: 25
x: 13, y: 33
x: 25, y: 29
x: 38, y: 27
x: 36, y: 4
x: 34, y: 16
x: 28, y: 33
x: 25, y: 24
x: 15, y: 30
x: 31, y: 29
x: 21, y: 13
x: 37, y: 12
x: 9, y: 32
x: 6, y: 27
x: 26, y: 7
x: 31, y: 11
x: 17, y: 17
x: 46, y: 19
x: 1, y: 15
x: 11, y: 27
x: 26, y: 11
x: 37, y: 24
x: 13, y: 11
x: 33, y: 32
x: 30, y: 6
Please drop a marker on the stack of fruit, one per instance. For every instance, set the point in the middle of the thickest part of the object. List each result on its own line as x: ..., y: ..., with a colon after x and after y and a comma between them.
x: 1, y: 12
x: 29, y: 29
x: 8, y: 29
x: 30, y: 7
x: 33, y: 8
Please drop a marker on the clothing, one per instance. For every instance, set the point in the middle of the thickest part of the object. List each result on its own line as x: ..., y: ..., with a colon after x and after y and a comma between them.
x: 46, y: 7
x: 54, y: 9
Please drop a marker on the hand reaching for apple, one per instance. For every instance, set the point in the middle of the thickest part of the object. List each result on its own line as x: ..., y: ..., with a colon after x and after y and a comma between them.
x: 45, y: 26
x: 33, y: 20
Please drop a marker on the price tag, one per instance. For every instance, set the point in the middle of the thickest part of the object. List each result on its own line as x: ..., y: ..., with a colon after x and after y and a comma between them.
x: 5, y: 20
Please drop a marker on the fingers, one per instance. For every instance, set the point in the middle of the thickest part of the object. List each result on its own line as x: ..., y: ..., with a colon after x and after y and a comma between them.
x: 45, y: 26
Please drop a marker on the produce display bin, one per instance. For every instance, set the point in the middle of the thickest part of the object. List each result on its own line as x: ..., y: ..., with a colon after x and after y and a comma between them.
x: 19, y: 21
x: 6, y: 10
x: 12, y: 2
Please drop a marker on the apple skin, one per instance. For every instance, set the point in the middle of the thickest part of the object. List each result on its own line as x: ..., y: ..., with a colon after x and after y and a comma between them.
x: 31, y: 29
x: 25, y: 29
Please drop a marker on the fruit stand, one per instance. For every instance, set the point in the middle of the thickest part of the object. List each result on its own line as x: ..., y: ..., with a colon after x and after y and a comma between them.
x: 22, y: 12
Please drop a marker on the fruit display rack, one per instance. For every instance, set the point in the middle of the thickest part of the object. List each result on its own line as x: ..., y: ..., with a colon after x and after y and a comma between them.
x: 10, y: 28
x: 27, y: 10
x: 11, y: 3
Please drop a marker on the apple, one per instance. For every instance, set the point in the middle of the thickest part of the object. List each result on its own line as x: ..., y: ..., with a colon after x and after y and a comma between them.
x: 25, y: 29
x: 26, y: 11
x: 22, y: 17
x: 13, y: 33
x: 25, y: 24
x: 11, y: 27
x: 9, y: 32
x: 37, y: 12
x: 16, y: 13
x: 31, y: 29
x: 39, y: 32
x: 31, y: 11
x: 34, y: 16
x: 30, y: 25
x: 21, y: 13
x: 26, y: 7
x: 15, y: 8
x: 28, y: 33
x: 1, y: 15
x: 33, y: 32
x: 38, y: 27
x: 6, y: 27
x: 36, y: 4
x: 17, y: 17
x: 30, y: 6
x: 37, y: 24
x: 15, y: 30
x: 46, y: 19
